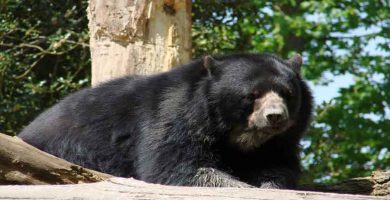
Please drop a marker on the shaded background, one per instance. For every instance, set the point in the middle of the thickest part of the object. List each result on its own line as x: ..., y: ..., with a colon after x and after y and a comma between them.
x: 44, y: 55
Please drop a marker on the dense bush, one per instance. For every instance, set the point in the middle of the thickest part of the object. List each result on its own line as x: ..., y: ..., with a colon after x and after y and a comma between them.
x: 44, y: 55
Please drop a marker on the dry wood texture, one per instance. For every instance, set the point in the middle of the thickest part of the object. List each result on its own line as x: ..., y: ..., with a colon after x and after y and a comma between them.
x: 138, y: 37
x: 377, y: 184
x: 21, y: 163
x: 121, y: 188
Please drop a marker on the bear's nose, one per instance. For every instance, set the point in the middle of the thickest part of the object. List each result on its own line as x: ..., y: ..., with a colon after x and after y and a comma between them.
x: 274, y: 118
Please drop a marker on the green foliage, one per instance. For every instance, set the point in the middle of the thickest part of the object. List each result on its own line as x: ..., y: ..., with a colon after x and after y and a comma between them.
x: 44, y: 55
x: 350, y: 134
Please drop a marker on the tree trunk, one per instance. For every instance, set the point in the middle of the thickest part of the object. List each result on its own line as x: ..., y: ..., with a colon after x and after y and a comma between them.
x: 138, y: 37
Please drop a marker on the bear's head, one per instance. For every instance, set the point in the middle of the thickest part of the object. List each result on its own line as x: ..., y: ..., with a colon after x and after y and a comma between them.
x: 258, y: 96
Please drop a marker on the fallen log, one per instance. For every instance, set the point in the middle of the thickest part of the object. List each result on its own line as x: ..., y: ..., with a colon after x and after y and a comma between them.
x: 122, y: 188
x: 378, y: 184
x: 23, y: 164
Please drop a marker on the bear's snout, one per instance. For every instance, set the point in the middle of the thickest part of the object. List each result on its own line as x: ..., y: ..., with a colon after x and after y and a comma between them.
x: 270, y: 112
x: 276, y: 115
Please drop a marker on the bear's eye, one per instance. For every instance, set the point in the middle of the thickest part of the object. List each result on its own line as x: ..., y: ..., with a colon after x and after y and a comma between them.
x: 287, y: 93
x: 255, y: 94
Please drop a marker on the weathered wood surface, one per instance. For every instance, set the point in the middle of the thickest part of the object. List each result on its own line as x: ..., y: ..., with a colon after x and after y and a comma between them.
x: 378, y: 184
x: 21, y: 163
x: 121, y: 188
x: 138, y: 37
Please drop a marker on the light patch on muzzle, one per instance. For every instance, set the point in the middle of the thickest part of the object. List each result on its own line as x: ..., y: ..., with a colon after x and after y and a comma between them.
x: 269, y: 117
x: 269, y: 110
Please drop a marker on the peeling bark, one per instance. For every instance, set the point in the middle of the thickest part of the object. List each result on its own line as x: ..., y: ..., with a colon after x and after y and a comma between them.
x: 138, y: 37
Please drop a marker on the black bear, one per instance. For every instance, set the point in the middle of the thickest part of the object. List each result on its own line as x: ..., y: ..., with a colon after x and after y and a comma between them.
x: 228, y: 121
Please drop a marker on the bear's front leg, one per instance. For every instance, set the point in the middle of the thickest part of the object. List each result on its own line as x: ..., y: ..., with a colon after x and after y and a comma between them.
x: 275, y: 178
x: 180, y: 169
x: 181, y: 162
x: 211, y: 177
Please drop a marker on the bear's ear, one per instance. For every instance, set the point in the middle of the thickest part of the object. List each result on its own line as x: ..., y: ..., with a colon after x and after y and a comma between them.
x: 210, y: 64
x: 295, y: 62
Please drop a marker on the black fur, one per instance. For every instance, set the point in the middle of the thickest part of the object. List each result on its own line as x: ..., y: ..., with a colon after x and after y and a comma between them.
x: 172, y: 128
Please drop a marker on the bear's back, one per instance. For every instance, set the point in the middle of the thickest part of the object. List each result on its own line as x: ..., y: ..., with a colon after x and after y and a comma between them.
x: 94, y: 124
